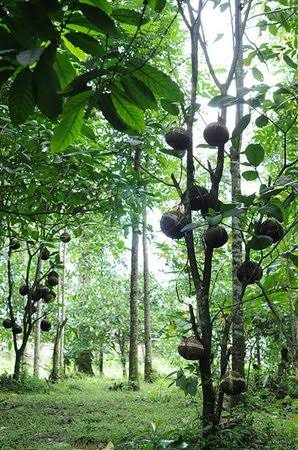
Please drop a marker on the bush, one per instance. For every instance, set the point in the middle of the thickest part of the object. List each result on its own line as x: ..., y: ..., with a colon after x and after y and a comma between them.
x: 26, y: 383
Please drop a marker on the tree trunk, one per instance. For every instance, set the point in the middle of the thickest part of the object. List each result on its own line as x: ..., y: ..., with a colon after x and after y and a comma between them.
x: 54, y: 376
x: 133, y: 347
x: 238, y: 336
x: 37, y: 333
x: 148, y: 371
x: 101, y: 359
x: 18, y: 364
x: 62, y: 310
x: 83, y: 362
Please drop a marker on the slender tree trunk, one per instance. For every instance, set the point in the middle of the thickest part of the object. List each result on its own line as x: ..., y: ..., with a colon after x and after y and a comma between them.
x: 62, y: 310
x: 37, y: 333
x: 18, y: 364
x: 148, y: 371
x: 293, y: 315
x: 133, y: 347
x: 54, y: 376
x: 238, y: 336
x: 101, y: 359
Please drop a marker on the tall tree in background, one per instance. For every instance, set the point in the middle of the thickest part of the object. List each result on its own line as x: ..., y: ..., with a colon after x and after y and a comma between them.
x: 134, y: 294
x: 148, y: 370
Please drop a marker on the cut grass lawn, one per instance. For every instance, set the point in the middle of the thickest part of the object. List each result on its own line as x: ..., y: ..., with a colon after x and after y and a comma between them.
x: 85, y: 414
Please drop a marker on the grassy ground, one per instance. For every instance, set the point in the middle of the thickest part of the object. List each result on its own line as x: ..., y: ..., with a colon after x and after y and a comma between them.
x: 85, y: 414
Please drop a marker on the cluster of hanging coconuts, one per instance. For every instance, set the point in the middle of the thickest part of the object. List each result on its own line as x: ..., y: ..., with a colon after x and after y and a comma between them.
x: 41, y: 292
x: 173, y: 222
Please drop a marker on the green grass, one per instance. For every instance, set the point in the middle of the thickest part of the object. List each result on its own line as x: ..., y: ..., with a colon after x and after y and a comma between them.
x: 85, y: 414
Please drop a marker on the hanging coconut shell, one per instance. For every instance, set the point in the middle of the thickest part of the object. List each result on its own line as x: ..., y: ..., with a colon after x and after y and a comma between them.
x: 44, y: 292
x: 24, y: 290
x: 249, y: 272
x: 17, y: 329
x: 49, y: 296
x: 14, y: 244
x: 45, y: 325
x: 45, y: 254
x: 65, y: 237
x: 216, y: 134
x: 53, y: 280
x: 199, y: 199
x: 7, y: 323
x: 272, y: 229
x: 232, y: 383
x: 216, y: 237
x: 35, y: 295
x: 171, y: 224
x: 191, y: 349
x: 178, y: 139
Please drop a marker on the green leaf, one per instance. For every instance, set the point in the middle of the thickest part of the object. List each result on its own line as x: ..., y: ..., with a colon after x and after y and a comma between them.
x: 71, y: 121
x: 250, y: 175
x: 75, y: 51
x: 139, y: 93
x: 30, y: 56
x: 101, y: 4
x: 128, y: 112
x: 255, y: 154
x: 257, y: 74
x: 272, y: 210
x: 219, y: 36
x: 172, y: 152
x: 290, y: 62
x: 129, y: 16
x: 47, y: 85
x: 241, y: 125
x: 99, y: 18
x: 157, y: 5
x: 222, y: 100
x: 213, y: 220
x: 191, y: 226
x: 88, y: 132
x: 246, y: 200
x: 262, y: 121
x: 259, y: 242
x: 170, y: 107
x: 86, y: 43
x: 294, y: 259
x: 64, y: 69
x: 109, y: 112
x: 158, y: 82
x: 21, y: 99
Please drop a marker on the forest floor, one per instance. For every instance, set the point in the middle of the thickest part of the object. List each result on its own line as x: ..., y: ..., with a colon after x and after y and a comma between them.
x: 85, y: 414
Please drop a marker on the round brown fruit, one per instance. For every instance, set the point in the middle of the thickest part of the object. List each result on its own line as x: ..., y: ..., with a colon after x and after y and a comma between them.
x: 178, y: 138
x: 14, y: 244
x: 24, y: 290
x: 232, y: 383
x: 191, y: 349
x: 200, y: 199
x: 216, y: 237
x: 35, y: 295
x: 272, y: 229
x: 216, y: 134
x: 53, y: 280
x: 249, y: 272
x: 17, y: 329
x: 7, y: 323
x: 45, y: 254
x: 65, y: 237
x: 171, y: 224
x: 44, y: 292
x: 49, y: 296
x: 45, y: 325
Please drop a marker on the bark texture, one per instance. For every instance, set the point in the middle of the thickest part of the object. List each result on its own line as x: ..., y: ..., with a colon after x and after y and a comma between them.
x: 238, y: 334
x: 133, y: 343
x: 148, y: 370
